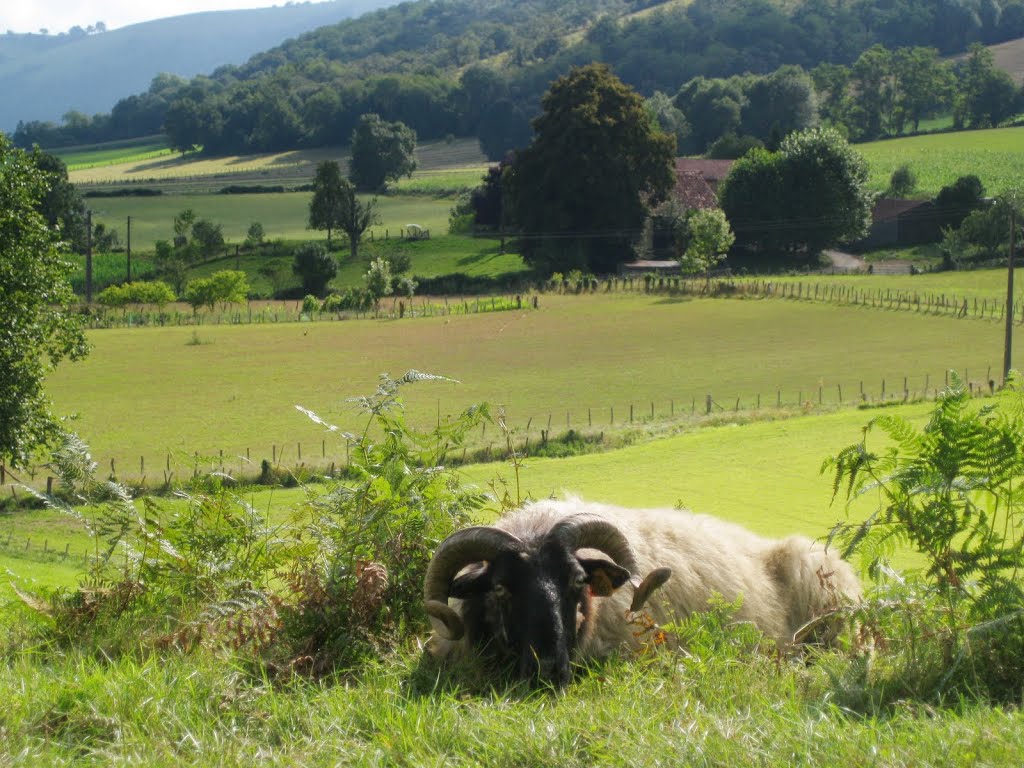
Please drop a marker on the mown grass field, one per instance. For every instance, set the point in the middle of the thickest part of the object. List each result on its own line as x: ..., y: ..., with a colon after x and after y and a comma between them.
x: 995, y: 156
x: 779, y: 491
x: 283, y: 215
x: 102, y: 156
x: 293, y: 166
x: 147, y: 392
x: 980, y: 284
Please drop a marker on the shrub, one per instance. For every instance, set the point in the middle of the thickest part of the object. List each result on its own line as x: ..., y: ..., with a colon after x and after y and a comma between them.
x: 324, y: 593
x: 314, y: 267
x: 952, y: 492
x: 360, y: 579
x: 902, y: 182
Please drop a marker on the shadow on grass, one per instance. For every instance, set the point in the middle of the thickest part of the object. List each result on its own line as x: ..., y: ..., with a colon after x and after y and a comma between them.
x: 480, y: 257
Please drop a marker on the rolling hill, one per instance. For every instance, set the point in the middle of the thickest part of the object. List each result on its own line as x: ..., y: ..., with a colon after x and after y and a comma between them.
x: 44, y: 76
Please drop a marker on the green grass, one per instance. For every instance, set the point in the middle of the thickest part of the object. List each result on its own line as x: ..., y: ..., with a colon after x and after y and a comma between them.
x: 995, y: 156
x: 445, y: 181
x: 283, y: 215
x: 77, y: 161
x: 667, y: 711
x: 980, y: 284
x: 779, y: 492
x: 149, y: 392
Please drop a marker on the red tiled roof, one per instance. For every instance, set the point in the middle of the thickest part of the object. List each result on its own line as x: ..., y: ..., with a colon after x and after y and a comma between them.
x: 694, y: 192
x: 886, y: 208
x: 712, y: 171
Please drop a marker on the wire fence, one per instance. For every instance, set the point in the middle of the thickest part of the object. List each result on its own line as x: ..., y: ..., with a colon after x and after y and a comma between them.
x: 528, y: 435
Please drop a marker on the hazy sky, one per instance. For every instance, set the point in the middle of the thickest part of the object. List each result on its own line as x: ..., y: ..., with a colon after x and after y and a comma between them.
x: 61, y: 15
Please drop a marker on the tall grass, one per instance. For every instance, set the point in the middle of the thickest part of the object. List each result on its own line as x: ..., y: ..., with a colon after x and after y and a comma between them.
x: 995, y: 156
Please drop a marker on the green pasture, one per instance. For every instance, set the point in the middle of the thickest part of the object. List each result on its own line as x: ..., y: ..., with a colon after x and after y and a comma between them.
x: 582, y: 361
x: 764, y: 475
x: 96, y: 158
x: 980, y: 284
x: 443, y: 181
x: 283, y: 215
x: 292, y: 166
x: 995, y: 156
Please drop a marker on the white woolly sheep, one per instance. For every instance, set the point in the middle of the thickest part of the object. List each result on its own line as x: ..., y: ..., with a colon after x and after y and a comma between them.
x: 541, y: 585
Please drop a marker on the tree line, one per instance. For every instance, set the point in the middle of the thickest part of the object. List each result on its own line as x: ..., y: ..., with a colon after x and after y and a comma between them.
x: 468, y: 67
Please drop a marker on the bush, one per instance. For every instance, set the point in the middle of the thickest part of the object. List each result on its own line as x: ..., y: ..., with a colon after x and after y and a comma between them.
x: 329, y: 592
x: 315, y: 267
x: 902, y: 182
x: 951, y: 491
x: 375, y: 533
x: 156, y: 293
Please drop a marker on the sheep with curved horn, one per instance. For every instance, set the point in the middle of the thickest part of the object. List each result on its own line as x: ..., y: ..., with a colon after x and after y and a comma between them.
x: 543, y: 585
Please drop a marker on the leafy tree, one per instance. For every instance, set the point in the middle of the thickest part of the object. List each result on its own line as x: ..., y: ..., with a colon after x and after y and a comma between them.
x: 62, y: 206
x: 255, y: 235
x: 987, y: 95
x: 776, y: 105
x: 228, y: 286
x: 315, y: 267
x: 208, y: 237
x: 188, y: 124
x: 326, y: 204
x: 713, y: 107
x: 871, y: 81
x: 335, y: 206
x: 923, y: 83
x: 709, y: 239
x: 104, y: 240
x: 730, y: 146
x: 955, y: 201
x: 808, y: 196
x: 35, y: 298
x: 355, y: 216
x: 379, y: 280
x: 830, y: 83
x: 183, y: 226
x: 381, y: 152
x: 503, y: 127
x: 580, y: 192
x: 667, y: 117
x: 902, y: 182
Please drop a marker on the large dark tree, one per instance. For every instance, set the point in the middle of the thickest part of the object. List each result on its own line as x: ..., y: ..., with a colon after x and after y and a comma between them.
x: 325, y: 205
x: 579, y: 193
x: 806, y: 197
x: 38, y: 330
x: 381, y: 152
x: 61, y: 205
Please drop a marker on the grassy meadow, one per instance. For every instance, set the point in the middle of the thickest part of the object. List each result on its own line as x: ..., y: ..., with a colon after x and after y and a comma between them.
x: 163, y: 402
x: 293, y: 166
x: 283, y: 215
x: 147, y: 392
x: 995, y: 156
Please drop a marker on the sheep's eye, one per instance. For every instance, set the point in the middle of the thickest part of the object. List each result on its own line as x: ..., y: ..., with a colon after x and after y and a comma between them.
x: 579, y: 580
x: 500, y: 590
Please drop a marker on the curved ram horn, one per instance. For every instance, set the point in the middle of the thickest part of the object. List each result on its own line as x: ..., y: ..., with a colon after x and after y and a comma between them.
x: 470, y: 545
x: 652, y: 581
x: 595, y: 532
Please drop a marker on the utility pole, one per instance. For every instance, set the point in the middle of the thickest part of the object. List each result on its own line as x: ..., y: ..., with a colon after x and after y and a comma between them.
x: 129, y: 249
x: 1008, y: 342
x: 88, y: 257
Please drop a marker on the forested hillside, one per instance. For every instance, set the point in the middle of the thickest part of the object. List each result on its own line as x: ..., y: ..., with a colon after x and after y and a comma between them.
x: 476, y: 67
x: 43, y: 77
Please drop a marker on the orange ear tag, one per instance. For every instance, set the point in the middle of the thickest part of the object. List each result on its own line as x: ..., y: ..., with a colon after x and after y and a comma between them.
x: 600, y: 584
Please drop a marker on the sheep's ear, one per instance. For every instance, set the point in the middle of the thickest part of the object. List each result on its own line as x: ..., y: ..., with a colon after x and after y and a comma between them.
x: 603, y: 576
x: 473, y: 580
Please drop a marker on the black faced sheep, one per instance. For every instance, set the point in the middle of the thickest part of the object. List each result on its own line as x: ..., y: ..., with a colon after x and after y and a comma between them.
x: 542, y: 585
